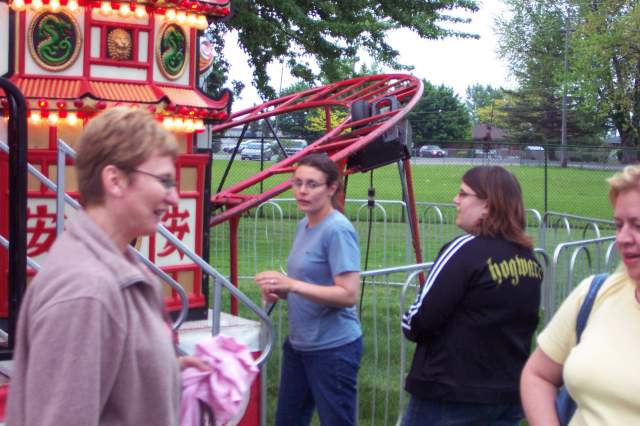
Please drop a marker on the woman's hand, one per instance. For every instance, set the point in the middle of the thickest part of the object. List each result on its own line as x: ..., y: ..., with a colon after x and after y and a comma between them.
x: 193, y: 361
x: 274, y: 285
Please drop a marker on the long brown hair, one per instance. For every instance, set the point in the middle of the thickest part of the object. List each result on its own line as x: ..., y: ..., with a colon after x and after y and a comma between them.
x: 505, y: 209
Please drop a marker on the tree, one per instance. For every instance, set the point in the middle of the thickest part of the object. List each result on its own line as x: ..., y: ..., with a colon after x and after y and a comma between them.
x: 541, y: 40
x: 294, y: 123
x: 482, y: 98
x: 439, y: 116
x: 606, y: 66
x: 316, y: 119
x: 327, y: 32
x: 310, y: 124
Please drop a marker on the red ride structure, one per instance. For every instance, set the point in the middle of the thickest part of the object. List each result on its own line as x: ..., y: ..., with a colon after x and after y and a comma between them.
x: 375, y: 134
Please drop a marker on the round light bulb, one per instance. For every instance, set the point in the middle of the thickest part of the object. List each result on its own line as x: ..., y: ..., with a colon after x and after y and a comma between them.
x: 140, y: 12
x: 72, y: 118
x: 125, y: 10
x: 18, y: 5
x: 35, y: 117
x: 202, y: 22
x: 105, y: 8
x: 53, y: 118
x: 181, y: 17
x: 170, y: 14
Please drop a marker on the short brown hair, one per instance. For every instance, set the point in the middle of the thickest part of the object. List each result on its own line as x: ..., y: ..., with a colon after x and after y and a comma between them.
x: 505, y: 208
x: 324, y: 164
x: 122, y: 137
x: 628, y: 178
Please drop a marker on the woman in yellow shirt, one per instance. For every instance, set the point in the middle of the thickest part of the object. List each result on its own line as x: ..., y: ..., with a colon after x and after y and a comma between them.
x: 600, y: 372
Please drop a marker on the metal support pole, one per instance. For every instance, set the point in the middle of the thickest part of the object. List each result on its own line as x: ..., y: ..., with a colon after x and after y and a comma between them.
x: 233, y: 253
x: 17, y: 134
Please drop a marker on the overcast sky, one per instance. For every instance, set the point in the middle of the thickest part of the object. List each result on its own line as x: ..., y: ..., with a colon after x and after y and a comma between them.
x: 455, y: 63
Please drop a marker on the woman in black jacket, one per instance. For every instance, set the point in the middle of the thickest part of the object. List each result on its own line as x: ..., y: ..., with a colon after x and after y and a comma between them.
x: 474, y: 318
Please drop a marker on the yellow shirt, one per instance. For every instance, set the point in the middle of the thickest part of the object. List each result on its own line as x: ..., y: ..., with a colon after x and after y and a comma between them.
x: 602, y: 373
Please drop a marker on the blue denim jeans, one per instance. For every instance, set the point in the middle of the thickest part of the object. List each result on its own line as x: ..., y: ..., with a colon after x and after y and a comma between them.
x: 324, y: 379
x: 443, y: 413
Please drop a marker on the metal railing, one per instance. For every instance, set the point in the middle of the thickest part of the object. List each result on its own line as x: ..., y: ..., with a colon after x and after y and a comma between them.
x: 556, y: 227
x: 220, y: 280
x: 573, y: 261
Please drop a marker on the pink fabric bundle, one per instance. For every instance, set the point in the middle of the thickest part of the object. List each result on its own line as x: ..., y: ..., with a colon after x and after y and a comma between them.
x: 224, y: 387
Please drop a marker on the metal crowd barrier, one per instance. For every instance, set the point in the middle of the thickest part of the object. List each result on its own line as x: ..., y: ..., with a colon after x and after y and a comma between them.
x: 572, y: 262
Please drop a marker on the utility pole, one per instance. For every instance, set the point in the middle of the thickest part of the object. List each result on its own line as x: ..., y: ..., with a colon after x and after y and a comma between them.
x: 563, y: 128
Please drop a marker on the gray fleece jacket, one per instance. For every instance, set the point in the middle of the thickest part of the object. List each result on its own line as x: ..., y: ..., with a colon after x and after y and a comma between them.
x: 92, y: 345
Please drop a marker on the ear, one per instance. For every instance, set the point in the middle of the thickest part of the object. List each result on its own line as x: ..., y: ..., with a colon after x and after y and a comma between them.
x: 333, y: 188
x: 485, y: 208
x: 114, y: 181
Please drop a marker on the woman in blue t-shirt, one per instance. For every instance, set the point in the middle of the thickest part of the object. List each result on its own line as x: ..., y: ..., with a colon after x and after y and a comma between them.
x: 321, y: 355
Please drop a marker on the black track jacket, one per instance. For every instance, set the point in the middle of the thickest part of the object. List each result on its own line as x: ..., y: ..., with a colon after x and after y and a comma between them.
x: 473, y: 321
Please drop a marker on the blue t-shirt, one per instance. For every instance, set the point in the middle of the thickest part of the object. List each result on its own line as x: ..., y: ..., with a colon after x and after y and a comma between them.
x: 318, y: 254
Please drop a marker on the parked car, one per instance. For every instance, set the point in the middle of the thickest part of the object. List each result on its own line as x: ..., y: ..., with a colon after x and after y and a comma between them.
x: 257, y: 150
x: 486, y: 153
x: 431, y: 151
x: 294, y: 146
x: 229, y: 148
x: 533, y: 152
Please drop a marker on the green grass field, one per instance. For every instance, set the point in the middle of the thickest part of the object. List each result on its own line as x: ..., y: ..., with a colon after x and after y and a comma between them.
x: 569, y: 190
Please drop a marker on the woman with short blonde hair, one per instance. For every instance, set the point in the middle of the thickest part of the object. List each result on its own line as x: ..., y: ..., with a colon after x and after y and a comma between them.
x: 598, y: 371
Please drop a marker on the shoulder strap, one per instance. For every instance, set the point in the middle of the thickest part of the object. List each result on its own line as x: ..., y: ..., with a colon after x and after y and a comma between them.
x: 587, y: 304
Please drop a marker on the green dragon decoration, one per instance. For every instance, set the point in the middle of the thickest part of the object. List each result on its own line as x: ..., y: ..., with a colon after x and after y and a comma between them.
x: 55, y: 46
x: 173, y: 50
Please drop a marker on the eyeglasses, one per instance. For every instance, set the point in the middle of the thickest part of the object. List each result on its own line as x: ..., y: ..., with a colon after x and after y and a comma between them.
x: 462, y: 194
x: 169, y: 183
x: 310, y: 184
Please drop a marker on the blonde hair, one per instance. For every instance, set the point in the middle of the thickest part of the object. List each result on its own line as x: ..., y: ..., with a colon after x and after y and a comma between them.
x: 122, y: 137
x: 628, y: 178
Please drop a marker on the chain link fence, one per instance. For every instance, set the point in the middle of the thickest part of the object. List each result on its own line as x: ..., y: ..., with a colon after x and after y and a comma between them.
x: 578, y: 188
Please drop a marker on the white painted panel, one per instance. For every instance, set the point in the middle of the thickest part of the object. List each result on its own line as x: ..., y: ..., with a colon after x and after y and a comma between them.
x: 75, y: 70
x: 4, y: 137
x: 41, y: 220
x: 4, y: 38
x: 158, y: 77
x: 95, y: 41
x: 118, y: 73
x: 181, y: 221
x: 143, y: 46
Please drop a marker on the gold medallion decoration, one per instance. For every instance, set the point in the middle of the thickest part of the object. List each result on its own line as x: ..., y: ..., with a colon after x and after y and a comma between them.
x: 54, y: 40
x: 119, y: 44
x: 172, y: 50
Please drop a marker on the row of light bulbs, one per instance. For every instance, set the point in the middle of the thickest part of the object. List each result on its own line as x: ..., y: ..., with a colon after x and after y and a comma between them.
x: 36, y: 5
x: 176, y: 124
x: 179, y: 124
x: 53, y: 118
x: 181, y: 17
x: 124, y: 10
